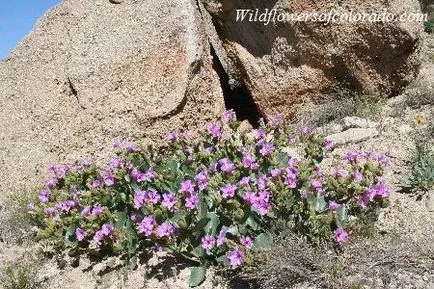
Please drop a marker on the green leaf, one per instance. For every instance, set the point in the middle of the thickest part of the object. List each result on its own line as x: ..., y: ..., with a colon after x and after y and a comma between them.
x: 282, y: 159
x: 242, y: 229
x: 173, y: 166
x: 233, y: 230
x: 263, y: 241
x: 123, y: 197
x: 341, y: 215
x: 212, y: 226
x: 70, y: 233
x: 186, y: 169
x: 223, y: 260
x: 134, y: 187
x: 225, y: 220
x: 132, y: 262
x: 131, y: 238
x: 198, y: 252
x: 201, y: 224
x: 253, y: 222
x: 320, y: 204
x: 180, y: 219
x: 121, y: 219
x: 202, y: 208
x: 197, y: 276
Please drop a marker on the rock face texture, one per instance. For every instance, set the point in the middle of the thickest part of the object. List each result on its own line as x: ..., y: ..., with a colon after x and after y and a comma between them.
x: 92, y: 72
x: 288, y: 63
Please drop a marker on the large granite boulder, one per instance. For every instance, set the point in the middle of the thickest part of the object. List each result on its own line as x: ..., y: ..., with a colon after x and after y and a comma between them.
x: 286, y: 64
x: 94, y: 71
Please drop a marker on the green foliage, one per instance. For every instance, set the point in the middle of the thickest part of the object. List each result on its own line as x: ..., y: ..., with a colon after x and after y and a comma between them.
x: 197, y: 276
x: 429, y: 24
x: 210, y: 199
x: 19, y: 276
x: 422, y: 169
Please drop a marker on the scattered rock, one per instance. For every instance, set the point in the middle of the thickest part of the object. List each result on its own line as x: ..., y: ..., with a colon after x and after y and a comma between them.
x: 405, y: 129
x: 61, y: 261
x: 293, y: 152
x: 99, y: 268
x: 48, y: 272
x: 353, y: 135
x: 429, y: 201
x: 331, y: 128
x: 357, y: 122
x: 244, y: 127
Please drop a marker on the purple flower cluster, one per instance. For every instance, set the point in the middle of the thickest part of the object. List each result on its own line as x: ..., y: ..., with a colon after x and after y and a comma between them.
x: 354, y: 156
x: 126, y: 145
x: 266, y: 149
x: 106, y: 231
x: 191, y: 197
x: 228, y: 191
x: 277, y: 120
x: 377, y: 191
x: 83, y: 164
x: 226, y: 165
x: 140, y: 177
x: 249, y: 162
x: 146, y: 226
x: 260, y: 201
x: 150, y: 197
x: 236, y: 257
x: 333, y: 205
x: 228, y: 116
x: 208, y: 242
x: 328, y: 143
x: 202, y: 179
x: 221, y: 238
x: 229, y: 175
x: 214, y: 130
x: 341, y: 235
x: 169, y: 201
x: 292, y: 173
x: 67, y: 206
x: 246, y: 241
x: 44, y: 195
x: 175, y: 135
x: 108, y: 178
x: 318, y: 187
x: 166, y: 230
x: 80, y: 234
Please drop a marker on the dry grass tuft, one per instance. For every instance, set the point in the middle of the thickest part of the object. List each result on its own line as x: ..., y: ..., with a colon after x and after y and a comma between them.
x: 363, y: 106
x: 296, y: 263
x: 15, y: 222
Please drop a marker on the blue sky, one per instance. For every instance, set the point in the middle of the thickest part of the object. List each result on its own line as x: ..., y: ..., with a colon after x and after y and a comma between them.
x: 17, y: 18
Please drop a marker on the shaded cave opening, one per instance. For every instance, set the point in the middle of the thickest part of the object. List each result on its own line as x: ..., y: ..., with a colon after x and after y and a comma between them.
x: 237, y: 98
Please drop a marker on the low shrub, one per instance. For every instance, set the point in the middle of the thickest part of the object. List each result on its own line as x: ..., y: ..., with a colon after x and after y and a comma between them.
x: 19, y: 276
x: 211, y: 199
x: 15, y: 222
x: 422, y: 168
x: 429, y: 24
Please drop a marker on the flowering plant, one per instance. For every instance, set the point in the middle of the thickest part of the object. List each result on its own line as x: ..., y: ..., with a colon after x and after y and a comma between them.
x: 210, y: 199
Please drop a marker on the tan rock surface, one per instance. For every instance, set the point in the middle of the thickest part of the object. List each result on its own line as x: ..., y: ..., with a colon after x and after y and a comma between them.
x: 92, y: 72
x: 290, y: 63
